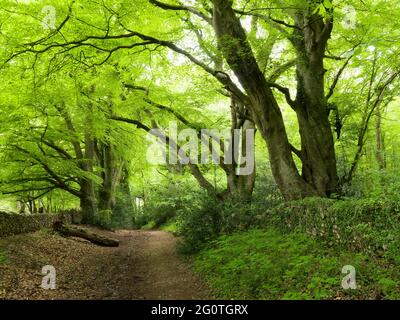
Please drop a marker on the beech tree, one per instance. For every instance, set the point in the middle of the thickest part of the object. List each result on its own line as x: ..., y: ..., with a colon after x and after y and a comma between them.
x: 50, y: 144
x: 259, y: 57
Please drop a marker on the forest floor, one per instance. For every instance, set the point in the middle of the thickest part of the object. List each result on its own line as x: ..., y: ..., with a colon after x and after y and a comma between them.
x: 144, y: 266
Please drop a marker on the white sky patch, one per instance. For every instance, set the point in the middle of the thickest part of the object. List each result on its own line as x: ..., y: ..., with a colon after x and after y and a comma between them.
x: 181, y: 86
x: 351, y: 73
x: 147, y: 73
x: 246, y: 23
x: 190, y: 2
x: 189, y: 44
x: 278, y: 50
x: 176, y: 59
x: 262, y: 33
x: 25, y: 1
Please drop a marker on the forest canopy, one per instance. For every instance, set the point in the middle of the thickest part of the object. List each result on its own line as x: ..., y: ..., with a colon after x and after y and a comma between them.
x: 85, y: 83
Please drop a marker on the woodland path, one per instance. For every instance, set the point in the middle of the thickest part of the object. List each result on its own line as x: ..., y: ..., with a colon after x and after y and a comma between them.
x: 144, y: 266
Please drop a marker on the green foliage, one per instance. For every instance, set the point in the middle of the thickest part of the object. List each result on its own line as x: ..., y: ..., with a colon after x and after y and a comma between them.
x: 157, y: 213
x: 206, y: 217
x: 266, y: 264
x: 163, y: 204
x: 103, y: 219
x: 171, y: 227
x: 199, y: 223
x: 368, y: 225
x: 151, y: 225
x: 371, y: 182
x: 122, y: 216
x: 61, y: 90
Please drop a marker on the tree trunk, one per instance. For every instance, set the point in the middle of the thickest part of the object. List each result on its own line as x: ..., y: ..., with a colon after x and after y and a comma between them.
x: 240, y: 184
x: 317, y: 143
x: 380, y: 146
x: 88, y: 200
x: 106, y: 195
x: 88, y: 206
x: 74, y: 231
x: 263, y: 106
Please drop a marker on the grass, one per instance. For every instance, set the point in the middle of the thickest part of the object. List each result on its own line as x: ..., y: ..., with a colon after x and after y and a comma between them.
x: 170, y: 227
x: 151, y: 225
x: 266, y: 264
x: 3, y: 257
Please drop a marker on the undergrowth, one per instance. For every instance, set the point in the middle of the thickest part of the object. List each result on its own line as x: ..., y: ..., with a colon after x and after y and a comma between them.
x: 266, y: 264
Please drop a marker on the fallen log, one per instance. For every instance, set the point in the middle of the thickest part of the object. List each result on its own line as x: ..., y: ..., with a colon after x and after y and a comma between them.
x: 74, y: 231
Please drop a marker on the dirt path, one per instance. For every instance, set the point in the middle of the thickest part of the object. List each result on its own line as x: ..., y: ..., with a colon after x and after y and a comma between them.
x: 144, y: 266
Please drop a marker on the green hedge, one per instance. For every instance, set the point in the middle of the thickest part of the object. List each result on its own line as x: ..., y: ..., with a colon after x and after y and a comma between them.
x: 371, y: 226
x: 366, y: 225
x: 12, y: 224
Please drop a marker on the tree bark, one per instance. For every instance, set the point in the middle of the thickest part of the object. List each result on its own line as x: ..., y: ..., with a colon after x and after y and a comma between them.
x: 380, y: 145
x: 109, y: 166
x: 88, y: 199
x: 74, y: 231
x: 263, y: 106
x: 317, y: 144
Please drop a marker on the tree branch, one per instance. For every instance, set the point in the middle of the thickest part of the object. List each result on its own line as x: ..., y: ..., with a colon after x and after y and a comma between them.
x: 297, y: 152
x: 286, y: 92
x: 190, y: 9
x: 194, y: 168
x: 337, y: 78
x: 56, y: 180
x: 280, y: 70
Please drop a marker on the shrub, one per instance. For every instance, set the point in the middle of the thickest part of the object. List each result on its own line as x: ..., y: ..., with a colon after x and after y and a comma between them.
x: 156, y: 213
x: 123, y: 212
x: 151, y: 225
x: 206, y: 218
x: 198, y: 224
x: 163, y: 204
x: 371, y: 226
x: 103, y: 219
x: 373, y: 183
x: 171, y: 227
